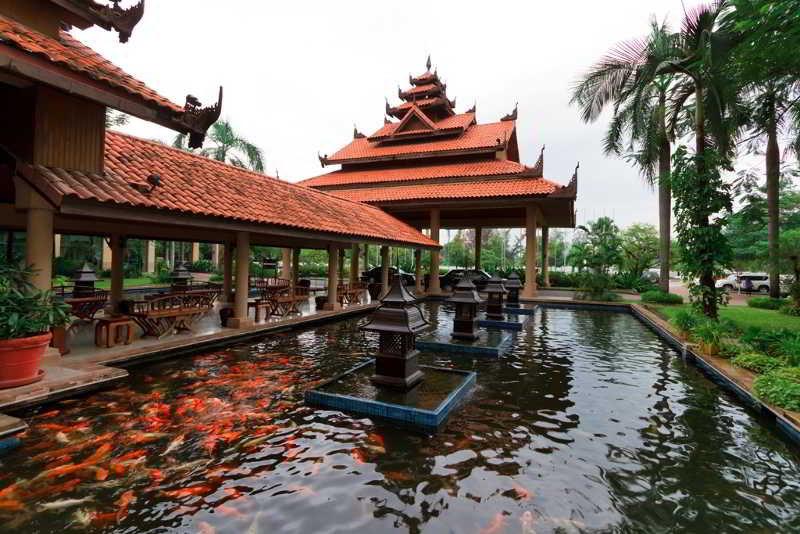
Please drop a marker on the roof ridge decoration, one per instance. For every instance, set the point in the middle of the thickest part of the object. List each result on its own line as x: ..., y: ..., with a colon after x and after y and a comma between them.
x: 513, y: 115
x: 197, y: 119
x: 428, y: 63
x: 537, y: 171
x: 472, y: 109
x: 356, y: 133
x: 415, y: 111
x: 108, y: 17
x: 571, y: 189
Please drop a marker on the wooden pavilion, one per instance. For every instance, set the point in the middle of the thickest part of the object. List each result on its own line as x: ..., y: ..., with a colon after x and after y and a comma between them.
x: 435, y: 168
x: 63, y: 172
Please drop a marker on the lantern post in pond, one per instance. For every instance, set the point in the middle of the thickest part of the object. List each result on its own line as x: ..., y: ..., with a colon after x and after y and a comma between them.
x: 513, y: 285
x: 466, y: 300
x: 495, y: 291
x: 180, y: 277
x: 397, y: 321
x: 84, y: 280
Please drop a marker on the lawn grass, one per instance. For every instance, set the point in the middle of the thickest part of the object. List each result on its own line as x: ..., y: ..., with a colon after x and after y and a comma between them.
x: 128, y: 282
x: 744, y: 316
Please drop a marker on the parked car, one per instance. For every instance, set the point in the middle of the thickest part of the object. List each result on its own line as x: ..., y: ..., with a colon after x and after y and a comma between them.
x: 734, y: 282
x: 453, y: 276
x: 373, y: 276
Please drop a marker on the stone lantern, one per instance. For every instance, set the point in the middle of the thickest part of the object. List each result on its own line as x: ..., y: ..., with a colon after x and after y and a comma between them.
x: 180, y: 277
x: 466, y: 299
x: 513, y: 285
x: 495, y: 291
x: 84, y: 280
x: 397, y: 321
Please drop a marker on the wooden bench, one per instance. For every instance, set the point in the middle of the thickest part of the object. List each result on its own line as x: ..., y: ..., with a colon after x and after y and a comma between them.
x: 165, y: 314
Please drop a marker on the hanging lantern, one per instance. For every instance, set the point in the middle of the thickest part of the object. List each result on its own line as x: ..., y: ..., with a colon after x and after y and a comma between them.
x: 397, y: 321
x: 513, y: 285
x: 84, y: 279
x: 495, y: 291
x: 466, y: 299
x: 180, y: 277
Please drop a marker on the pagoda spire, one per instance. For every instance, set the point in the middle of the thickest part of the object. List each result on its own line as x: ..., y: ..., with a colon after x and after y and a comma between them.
x: 428, y: 63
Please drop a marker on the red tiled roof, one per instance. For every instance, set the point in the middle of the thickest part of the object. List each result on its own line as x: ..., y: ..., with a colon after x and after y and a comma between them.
x: 490, y: 188
x: 69, y: 53
x: 416, y: 89
x: 419, y: 103
x: 452, y: 122
x: 477, y: 137
x: 494, y: 167
x: 198, y: 185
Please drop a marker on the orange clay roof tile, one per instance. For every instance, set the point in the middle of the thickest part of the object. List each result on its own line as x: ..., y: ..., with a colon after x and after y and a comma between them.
x: 69, y: 53
x: 201, y: 186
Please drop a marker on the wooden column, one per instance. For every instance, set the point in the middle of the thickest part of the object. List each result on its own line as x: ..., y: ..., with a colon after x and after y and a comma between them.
x: 240, y: 317
x: 105, y: 256
x: 333, y: 278
x: 354, y: 252
x: 418, y: 271
x: 216, y: 257
x: 545, y: 256
x: 286, y: 264
x: 57, y: 245
x: 39, y: 245
x: 195, y: 252
x: 340, y: 266
x: 227, y: 272
x: 433, y: 286
x: 384, y: 270
x: 529, y: 291
x: 117, y: 247
x: 295, y: 265
x: 478, y: 244
x: 366, y: 257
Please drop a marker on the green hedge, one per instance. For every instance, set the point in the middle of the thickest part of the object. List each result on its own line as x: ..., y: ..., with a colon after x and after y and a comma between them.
x: 766, y: 303
x: 780, y: 387
x: 758, y: 363
x: 657, y: 296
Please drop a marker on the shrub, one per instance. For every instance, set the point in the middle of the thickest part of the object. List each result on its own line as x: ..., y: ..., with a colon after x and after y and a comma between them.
x: 730, y: 349
x: 709, y: 333
x: 632, y: 281
x: 559, y: 279
x: 201, y: 266
x: 66, y: 267
x: 656, y: 296
x: 758, y: 363
x: 789, y: 348
x: 766, y: 303
x: 790, y: 309
x: 24, y: 310
x: 596, y: 286
x: 766, y: 341
x: 162, y: 274
x: 686, y: 321
x: 780, y: 387
x: 216, y: 277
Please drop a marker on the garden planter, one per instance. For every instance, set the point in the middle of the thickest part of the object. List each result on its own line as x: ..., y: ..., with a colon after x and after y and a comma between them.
x: 20, y: 360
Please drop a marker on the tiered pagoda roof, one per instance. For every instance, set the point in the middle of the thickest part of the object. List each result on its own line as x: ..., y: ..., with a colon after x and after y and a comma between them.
x: 430, y: 151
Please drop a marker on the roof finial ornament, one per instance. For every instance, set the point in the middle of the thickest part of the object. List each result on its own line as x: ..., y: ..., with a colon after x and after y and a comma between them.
x: 399, y: 93
x: 428, y: 63
x: 575, y: 174
x: 472, y: 109
x: 388, y: 107
x: 322, y: 159
x: 198, y: 119
x: 356, y: 133
x: 386, y: 120
x: 513, y: 115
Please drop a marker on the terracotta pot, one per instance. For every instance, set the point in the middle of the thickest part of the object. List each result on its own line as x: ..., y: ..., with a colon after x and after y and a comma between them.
x: 20, y: 360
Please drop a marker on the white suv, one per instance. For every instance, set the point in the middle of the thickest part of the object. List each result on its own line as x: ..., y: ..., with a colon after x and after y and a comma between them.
x: 734, y: 282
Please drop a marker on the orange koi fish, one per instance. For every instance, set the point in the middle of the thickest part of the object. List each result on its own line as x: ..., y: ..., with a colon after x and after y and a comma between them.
x: 189, y: 491
x: 359, y: 456
x: 376, y: 439
x: 496, y: 524
x: 11, y: 505
x: 124, y: 502
x: 522, y: 493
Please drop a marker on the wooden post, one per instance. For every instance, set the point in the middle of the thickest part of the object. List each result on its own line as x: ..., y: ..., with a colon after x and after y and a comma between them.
x: 105, y: 256
x: 57, y: 246
x: 366, y: 257
x: 478, y: 244
x: 216, y: 258
x: 384, y: 270
x: 286, y: 264
x: 418, y: 271
x: 195, y: 252
x: 545, y: 256
x: 39, y: 245
x: 240, y: 317
x: 227, y: 273
x: 295, y: 265
x: 340, y: 266
x: 433, y: 286
x: 117, y: 247
x: 529, y: 291
x: 354, y: 253
x: 333, y: 278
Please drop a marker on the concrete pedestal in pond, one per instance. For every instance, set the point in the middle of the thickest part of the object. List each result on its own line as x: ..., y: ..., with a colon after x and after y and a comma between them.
x: 496, y: 316
x: 394, y: 386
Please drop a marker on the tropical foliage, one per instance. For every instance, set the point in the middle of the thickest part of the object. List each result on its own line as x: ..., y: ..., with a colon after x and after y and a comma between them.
x: 24, y: 310
x: 224, y: 143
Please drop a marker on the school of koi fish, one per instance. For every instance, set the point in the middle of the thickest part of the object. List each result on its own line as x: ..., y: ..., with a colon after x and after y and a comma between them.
x: 222, y: 442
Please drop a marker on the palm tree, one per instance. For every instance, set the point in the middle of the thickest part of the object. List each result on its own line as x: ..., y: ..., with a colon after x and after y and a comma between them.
x: 627, y: 79
x: 228, y: 147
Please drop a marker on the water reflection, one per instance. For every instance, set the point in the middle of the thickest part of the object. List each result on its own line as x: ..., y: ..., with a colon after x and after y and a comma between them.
x: 589, y: 424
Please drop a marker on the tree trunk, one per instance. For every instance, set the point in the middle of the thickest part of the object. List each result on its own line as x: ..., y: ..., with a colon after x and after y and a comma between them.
x: 707, y: 271
x: 773, y: 211
x: 664, y: 204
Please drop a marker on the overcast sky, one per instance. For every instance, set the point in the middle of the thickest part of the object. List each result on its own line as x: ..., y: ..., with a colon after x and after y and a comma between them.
x: 298, y: 75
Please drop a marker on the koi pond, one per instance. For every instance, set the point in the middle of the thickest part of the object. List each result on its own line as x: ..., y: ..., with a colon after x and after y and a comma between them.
x: 589, y: 423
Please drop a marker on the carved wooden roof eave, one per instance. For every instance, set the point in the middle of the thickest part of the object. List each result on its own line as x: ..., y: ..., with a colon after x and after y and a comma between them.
x: 569, y: 191
x: 110, y: 17
x: 195, y: 120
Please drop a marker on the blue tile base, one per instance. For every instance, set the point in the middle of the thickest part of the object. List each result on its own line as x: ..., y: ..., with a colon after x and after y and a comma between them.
x: 521, y: 309
x: 494, y: 347
x: 427, y: 421
x: 511, y: 322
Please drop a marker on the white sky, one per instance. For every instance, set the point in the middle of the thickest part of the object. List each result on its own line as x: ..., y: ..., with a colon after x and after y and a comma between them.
x: 298, y: 75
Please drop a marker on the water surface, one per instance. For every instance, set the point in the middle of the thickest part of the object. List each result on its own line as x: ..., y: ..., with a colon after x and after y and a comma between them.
x: 589, y: 424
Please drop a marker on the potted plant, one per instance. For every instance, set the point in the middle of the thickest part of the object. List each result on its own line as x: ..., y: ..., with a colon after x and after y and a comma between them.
x: 26, y: 316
